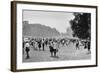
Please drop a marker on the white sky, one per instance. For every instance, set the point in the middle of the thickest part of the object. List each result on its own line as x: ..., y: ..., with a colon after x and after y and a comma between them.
x: 58, y: 20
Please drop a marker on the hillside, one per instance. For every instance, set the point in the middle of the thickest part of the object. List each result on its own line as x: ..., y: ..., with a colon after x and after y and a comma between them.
x: 38, y: 30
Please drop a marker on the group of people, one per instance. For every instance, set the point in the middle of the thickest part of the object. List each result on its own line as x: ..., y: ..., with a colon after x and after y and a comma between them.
x: 86, y: 44
x: 52, y: 43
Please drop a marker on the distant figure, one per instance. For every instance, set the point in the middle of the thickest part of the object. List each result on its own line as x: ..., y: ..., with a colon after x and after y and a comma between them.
x: 89, y: 47
x: 63, y: 42
x: 85, y: 44
x: 46, y: 42
x: 39, y: 45
x: 55, y: 49
x: 36, y: 45
x: 23, y: 46
x: 77, y: 44
x: 51, y: 49
x: 27, y: 49
x: 43, y: 45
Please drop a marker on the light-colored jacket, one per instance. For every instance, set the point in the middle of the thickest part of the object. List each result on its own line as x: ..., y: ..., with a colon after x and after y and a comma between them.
x: 27, y: 45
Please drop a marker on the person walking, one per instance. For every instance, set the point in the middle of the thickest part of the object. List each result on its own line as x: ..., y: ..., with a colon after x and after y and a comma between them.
x: 55, y: 49
x: 51, y: 49
x: 43, y: 45
x: 89, y: 44
x: 77, y: 44
x: 27, y: 49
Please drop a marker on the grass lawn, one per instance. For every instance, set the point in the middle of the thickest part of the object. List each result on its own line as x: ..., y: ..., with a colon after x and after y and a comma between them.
x: 65, y: 53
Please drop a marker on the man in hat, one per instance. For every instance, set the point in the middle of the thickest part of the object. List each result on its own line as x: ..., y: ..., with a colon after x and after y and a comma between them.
x: 27, y: 49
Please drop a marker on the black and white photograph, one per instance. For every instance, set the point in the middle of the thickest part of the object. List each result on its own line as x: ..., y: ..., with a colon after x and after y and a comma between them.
x: 53, y: 36
x: 56, y: 36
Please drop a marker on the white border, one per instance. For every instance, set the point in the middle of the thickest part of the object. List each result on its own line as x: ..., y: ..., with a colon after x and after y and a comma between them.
x: 33, y: 65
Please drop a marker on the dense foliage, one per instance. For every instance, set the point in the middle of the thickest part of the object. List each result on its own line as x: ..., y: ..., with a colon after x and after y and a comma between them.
x: 81, y: 25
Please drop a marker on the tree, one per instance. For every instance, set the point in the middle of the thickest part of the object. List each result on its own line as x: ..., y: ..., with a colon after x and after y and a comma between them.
x: 81, y: 25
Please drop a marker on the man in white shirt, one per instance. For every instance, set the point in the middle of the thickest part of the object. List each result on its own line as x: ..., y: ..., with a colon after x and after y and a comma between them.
x: 27, y: 49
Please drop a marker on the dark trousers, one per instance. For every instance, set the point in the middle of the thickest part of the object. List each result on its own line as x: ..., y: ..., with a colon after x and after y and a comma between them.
x: 27, y: 53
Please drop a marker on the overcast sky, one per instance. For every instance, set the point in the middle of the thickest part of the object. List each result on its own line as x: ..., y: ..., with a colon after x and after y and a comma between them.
x: 58, y: 20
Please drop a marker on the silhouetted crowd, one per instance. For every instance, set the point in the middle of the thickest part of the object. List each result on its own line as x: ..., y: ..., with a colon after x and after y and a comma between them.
x: 38, y: 44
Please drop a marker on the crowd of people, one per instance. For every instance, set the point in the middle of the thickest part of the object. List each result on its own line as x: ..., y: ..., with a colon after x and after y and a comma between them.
x: 38, y: 44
